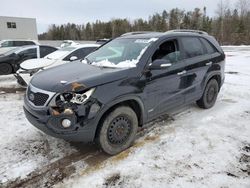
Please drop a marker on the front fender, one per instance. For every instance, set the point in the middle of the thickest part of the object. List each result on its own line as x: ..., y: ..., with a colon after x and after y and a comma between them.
x: 117, y: 101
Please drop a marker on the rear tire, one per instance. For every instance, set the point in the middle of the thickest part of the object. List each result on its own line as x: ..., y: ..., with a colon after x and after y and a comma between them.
x: 5, y: 69
x: 118, y: 130
x: 209, y: 96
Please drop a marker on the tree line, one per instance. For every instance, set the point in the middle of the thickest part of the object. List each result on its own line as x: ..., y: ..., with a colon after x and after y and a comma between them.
x: 229, y: 25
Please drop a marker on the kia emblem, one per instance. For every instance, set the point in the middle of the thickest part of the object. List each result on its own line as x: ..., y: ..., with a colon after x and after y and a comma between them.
x: 31, y: 96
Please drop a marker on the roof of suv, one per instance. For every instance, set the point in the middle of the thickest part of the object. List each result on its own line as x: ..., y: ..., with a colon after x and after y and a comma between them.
x: 170, y: 33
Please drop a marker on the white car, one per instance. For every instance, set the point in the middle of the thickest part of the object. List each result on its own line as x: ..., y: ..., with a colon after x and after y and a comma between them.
x: 30, y: 67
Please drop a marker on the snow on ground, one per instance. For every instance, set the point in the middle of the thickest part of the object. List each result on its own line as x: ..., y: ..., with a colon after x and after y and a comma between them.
x: 8, y: 81
x: 198, y: 148
x: 23, y: 148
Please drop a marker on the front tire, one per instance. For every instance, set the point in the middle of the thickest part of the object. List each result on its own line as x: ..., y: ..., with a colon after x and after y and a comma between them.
x: 5, y: 69
x: 118, y: 130
x: 209, y: 96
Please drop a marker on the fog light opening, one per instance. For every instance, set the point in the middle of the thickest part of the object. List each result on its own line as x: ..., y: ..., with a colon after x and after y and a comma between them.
x: 66, y: 123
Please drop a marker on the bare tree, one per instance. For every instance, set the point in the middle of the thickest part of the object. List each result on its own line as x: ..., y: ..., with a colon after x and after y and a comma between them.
x: 223, y: 6
x: 243, y: 7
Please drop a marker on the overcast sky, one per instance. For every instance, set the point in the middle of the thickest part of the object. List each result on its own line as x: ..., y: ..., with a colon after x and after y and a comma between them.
x: 81, y: 11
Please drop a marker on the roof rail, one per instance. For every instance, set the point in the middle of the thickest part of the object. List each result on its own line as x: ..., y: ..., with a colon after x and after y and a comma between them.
x: 136, y: 33
x: 188, y: 30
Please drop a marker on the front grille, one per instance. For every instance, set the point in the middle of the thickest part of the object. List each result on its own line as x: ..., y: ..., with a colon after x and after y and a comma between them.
x: 37, y: 96
x: 38, y: 99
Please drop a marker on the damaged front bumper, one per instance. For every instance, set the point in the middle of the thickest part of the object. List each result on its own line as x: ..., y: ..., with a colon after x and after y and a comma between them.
x: 82, y: 128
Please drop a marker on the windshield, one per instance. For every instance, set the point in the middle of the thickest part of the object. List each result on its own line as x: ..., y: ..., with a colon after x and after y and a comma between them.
x: 120, y: 53
x: 60, y: 54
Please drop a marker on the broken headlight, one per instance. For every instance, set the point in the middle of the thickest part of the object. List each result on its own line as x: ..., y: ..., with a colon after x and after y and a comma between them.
x: 81, y: 98
x: 73, y: 97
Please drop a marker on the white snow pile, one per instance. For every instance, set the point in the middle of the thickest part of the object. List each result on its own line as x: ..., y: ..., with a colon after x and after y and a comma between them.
x: 8, y: 81
x: 122, y: 64
x: 200, y: 148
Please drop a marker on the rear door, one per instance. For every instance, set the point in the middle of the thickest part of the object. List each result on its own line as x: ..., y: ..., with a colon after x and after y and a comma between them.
x: 198, y: 62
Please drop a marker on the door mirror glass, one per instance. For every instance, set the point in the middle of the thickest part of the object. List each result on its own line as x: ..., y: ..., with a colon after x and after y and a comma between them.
x: 73, y: 58
x: 159, y: 64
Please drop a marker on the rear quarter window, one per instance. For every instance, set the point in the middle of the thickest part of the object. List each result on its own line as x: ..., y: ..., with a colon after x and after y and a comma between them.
x: 192, y: 47
x: 209, y: 47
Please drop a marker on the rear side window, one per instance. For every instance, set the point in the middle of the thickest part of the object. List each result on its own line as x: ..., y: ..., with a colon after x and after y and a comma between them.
x: 19, y: 43
x: 29, y: 52
x: 192, y: 47
x: 45, y: 50
x: 29, y: 43
x: 80, y: 53
x: 23, y: 43
x: 86, y: 51
x: 7, y: 44
x: 210, y: 49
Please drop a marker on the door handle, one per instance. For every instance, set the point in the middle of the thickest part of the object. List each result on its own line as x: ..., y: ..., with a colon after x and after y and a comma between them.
x: 182, y: 72
x: 209, y: 64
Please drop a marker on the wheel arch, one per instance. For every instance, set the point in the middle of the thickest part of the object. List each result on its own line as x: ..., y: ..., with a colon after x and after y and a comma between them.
x: 215, y: 75
x: 133, y: 102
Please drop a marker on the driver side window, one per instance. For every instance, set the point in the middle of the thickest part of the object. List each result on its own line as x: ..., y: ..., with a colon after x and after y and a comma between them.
x: 168, y: 50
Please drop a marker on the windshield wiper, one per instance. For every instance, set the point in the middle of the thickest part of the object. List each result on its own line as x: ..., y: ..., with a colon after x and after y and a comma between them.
x: 88, y: 61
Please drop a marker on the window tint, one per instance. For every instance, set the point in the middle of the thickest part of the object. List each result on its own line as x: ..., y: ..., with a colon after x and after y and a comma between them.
x: 19, y: 43
x: 80, y: 53
x: 45, y: 50
x: 7, y: 44
x: 75, y: 53
x: 210, y: 49
x: 86, y: 51
x: 28, y: 43
x: 192, y: 47
x: 168, y: 50
x: 22, y: 43
x: 30, y: 52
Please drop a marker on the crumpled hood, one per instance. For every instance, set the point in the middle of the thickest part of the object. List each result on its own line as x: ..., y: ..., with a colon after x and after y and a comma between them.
x: 76, y: 74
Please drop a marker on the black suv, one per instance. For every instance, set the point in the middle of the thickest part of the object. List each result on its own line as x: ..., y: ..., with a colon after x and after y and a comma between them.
x: 124, y: 84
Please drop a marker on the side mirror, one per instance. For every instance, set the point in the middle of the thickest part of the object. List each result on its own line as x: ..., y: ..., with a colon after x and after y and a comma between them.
x: 73, y: 58
x: 160, y: 64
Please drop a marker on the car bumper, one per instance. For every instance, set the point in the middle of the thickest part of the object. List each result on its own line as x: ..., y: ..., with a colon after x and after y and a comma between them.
x: 51, y: 125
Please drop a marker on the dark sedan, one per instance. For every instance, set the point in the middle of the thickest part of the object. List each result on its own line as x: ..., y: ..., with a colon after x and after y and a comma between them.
x: 10, y: 61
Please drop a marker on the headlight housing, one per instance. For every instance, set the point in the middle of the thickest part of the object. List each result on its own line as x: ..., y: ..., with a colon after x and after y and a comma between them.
x: 81, y: 98
x: 72, y: 97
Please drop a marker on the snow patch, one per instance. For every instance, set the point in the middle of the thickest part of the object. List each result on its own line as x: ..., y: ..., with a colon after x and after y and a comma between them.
x: 122, y: 64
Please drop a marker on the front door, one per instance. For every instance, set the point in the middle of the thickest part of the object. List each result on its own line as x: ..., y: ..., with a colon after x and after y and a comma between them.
x: 164, y: 88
